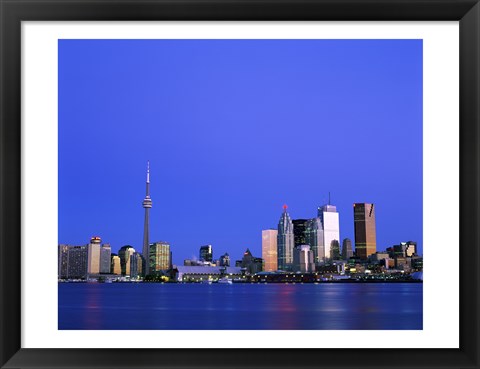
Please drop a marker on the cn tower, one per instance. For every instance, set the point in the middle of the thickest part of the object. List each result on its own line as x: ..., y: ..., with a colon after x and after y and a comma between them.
x: 147, y: 204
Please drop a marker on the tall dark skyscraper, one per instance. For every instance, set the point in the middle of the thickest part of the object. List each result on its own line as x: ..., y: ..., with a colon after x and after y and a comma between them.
x: 147, y: 204
x: 299, y: 228
x: 365, y: 232
x: 206, y: 253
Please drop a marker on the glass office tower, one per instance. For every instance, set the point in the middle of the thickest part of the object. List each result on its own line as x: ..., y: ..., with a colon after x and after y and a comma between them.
x: 365, y: 232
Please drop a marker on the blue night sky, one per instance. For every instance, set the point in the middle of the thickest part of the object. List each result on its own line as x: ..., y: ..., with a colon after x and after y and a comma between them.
x: 233, y: 130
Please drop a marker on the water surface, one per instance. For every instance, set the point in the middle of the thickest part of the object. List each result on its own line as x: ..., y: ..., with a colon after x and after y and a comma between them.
x: 240, y: 306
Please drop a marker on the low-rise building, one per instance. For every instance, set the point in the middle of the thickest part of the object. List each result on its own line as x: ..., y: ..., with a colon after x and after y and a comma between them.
x: 204, y: 273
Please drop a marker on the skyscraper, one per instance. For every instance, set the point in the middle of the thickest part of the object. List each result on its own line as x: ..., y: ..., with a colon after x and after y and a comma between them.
x: 206, y: 253
x: 105, y: 258
x: 365, y: 232
x: 77, y: 261
x: 159, y: 257
x: 314, y: 238
x: 285, y: 241
x: 303, y: 259
x: 72, y: 262
x: 299, y: 229
x: 124, y: 253
x: 347, y: 251
x: 147, y: 204
x: 63, y: 261
x: 137, y: 265
x: 331, y: 227
x: 116, y: 268
x: 94, y: 255
x: 269, y: 249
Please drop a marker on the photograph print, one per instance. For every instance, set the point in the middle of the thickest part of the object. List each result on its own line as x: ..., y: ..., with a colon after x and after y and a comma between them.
x: 250, y: 184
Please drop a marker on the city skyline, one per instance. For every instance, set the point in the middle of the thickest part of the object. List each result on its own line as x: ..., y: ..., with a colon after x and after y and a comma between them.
x: 217, y: 168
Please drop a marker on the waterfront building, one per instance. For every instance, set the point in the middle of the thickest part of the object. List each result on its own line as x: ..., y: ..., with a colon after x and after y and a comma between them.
x: 224, y: 260
x: 73, y: 261
x: 299, y: 231
x: 137, y: 265
x: 365, y: 230
x: 251, y: 264
x: 303, y: 259
x: 269, y: 249
x: 62, y: 261
x: 77, y: 262
x: 94, y: 255
x: 200, y: 273
x: 347, y: 251
x: 124, y: 253
x: 285, y: 241
x: 105, y: 258
x: 115, y: 265
x: 331, y: 228
x: 206, y: 253
x: 147, y: 205
x: 160, y: 257
x: 314, y: 238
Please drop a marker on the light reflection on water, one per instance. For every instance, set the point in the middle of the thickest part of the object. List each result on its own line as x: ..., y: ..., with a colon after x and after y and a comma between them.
x: 240, y: 306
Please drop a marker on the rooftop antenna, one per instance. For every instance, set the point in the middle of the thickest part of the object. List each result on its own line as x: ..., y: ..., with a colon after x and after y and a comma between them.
x: 329, y: 198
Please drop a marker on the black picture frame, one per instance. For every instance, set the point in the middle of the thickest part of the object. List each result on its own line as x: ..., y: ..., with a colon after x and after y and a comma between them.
x: 13, y: 12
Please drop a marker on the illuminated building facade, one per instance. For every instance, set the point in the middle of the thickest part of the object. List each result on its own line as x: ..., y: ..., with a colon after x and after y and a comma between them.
x: 63, y: 261
x: 94, y: 255
x: 411, y: 249
x: 73, y: 262
x: 206, y: 253
x: 365, y: 230
x: 331, y: 228
x: 269, y: 249
x: 285, y: 241
x: 160, y: 257
x: 115, y: 265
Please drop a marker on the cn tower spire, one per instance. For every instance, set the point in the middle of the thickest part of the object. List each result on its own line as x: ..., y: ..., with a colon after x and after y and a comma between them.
x: 148, y: 172
x: 147, y: 204
x: 148, y: 179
